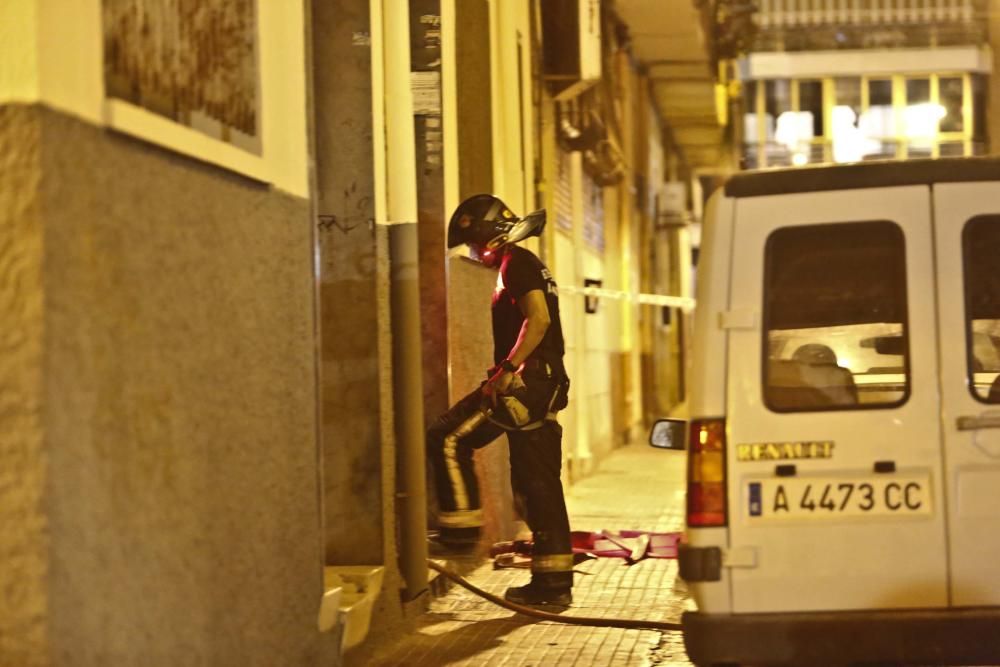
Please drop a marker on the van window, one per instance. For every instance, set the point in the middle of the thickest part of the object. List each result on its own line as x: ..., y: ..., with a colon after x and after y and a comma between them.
x: 835, y: 317
x: 981, y: 243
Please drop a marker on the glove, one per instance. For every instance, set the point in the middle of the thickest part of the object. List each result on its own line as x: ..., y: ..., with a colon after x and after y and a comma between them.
x: 502, y: 382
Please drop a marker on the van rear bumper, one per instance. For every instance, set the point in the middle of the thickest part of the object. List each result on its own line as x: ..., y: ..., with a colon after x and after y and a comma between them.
x: 925, y: 636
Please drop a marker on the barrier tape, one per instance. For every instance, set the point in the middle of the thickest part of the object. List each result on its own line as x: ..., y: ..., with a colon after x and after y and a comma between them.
x: 685, y: 303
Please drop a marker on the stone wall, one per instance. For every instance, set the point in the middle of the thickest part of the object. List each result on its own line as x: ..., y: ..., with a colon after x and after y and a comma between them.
x: 178, y: 411
x: 24, y: 537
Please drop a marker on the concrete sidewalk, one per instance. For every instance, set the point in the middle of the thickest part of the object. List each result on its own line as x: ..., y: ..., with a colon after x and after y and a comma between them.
x: 635, y: 488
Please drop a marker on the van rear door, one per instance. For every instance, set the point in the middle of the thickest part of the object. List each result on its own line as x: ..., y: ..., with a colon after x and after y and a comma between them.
x: 834, y: 437
x: 967, y: 229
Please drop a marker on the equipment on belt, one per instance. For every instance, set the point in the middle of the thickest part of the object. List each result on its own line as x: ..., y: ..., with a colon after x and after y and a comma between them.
x: 510, y: 411
x: 520, y: 409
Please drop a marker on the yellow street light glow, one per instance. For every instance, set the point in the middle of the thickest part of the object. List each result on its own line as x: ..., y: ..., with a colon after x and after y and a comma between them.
x: 921, y: 120
x: 793, y: 129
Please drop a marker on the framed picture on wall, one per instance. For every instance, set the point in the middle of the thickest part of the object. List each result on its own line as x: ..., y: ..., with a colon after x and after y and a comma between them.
x: 221, y: 81
x: 195, y: 63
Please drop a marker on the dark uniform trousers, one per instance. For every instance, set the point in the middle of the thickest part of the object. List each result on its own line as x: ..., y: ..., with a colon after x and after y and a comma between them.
x: 535, y: 467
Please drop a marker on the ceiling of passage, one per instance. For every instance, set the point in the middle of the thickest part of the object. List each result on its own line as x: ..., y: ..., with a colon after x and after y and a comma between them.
x: 667, y: 37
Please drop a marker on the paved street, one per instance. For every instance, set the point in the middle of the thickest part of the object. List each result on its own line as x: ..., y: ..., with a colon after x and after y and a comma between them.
x: 635, y: 488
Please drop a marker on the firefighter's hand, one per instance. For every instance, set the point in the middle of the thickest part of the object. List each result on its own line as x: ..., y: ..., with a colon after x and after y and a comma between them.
x: 501, y: 383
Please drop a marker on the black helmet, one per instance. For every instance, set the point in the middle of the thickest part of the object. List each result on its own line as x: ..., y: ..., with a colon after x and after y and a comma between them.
x: 486, y: 222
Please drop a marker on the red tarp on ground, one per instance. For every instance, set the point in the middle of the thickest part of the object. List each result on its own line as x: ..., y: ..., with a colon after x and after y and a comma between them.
x: 622, y: 543
x: 632, y: 545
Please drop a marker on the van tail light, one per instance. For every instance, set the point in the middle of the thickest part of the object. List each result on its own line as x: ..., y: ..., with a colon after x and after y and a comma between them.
x: 706, y: 490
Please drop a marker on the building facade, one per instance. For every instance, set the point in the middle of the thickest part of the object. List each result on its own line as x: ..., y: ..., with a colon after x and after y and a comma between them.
x: 852, y: 80
x: 228, y: 314
x: 158, y: 422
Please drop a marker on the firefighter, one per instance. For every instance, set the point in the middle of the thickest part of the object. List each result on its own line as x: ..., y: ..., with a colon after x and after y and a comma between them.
x: 525, y: 389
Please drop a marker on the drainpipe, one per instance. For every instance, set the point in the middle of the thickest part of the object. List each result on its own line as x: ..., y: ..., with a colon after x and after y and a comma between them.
x: 395, y: 156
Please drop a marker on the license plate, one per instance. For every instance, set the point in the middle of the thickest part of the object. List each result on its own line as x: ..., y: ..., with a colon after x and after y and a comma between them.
x: 838, y: 497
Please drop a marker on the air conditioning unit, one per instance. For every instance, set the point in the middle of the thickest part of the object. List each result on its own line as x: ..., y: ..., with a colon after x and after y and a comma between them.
x: 673, y: 197
x: 671, y: 205
x: 571, y: 42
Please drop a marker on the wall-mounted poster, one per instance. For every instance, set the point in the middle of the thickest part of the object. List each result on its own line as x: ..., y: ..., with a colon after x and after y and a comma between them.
x: 193, y: 61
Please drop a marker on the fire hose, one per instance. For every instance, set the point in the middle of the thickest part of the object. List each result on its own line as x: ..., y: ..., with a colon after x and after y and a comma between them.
x: 627, y: 623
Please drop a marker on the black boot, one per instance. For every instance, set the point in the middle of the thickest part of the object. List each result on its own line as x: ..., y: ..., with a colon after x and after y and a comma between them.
x: 535, y: 594
x: 554, y: 588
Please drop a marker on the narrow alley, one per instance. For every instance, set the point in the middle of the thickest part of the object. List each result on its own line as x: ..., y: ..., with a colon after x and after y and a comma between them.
x: 298, y: 297
x: 636, y: 488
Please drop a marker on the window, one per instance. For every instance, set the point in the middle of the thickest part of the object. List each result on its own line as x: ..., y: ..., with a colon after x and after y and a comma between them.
x: 920, y: 118
x: 979, y: 102
x: 856, y: 118
x: 811, y: 102
x: 918, y: 91
x: 778, y: 97
x: 848, y: 93
x: 981, y: 243
x: 848, y: 143
x: 878, y: 121
x: 880, y: 93
x: 750, y: 118
x: 794, y: 122
x: 835, y: 317
x: 951, y: 100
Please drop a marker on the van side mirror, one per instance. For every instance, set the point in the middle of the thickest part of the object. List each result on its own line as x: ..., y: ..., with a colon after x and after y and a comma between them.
x: 668, y: 434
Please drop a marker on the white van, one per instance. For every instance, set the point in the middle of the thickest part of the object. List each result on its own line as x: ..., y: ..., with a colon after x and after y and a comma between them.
x: 844, y: 448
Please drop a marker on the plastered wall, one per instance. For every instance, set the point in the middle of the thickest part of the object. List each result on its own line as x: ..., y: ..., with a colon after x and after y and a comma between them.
x: 993, y: 94
x: 349, y: 292
x: 23, y: 457
x: 178, y: 414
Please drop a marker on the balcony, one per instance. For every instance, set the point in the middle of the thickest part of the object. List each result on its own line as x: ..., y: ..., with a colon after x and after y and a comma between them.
x: 810, y: 25
x: 795, y: 13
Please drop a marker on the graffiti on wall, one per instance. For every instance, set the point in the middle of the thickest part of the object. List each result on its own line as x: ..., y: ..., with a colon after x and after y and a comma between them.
x: 192, y: 61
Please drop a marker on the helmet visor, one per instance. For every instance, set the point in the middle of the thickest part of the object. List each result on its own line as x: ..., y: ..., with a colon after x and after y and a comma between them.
x: 530, y: 225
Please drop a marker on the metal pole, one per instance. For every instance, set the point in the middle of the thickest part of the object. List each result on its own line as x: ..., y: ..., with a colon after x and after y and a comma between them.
x: 408, y: 396
x: 399, y: 170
